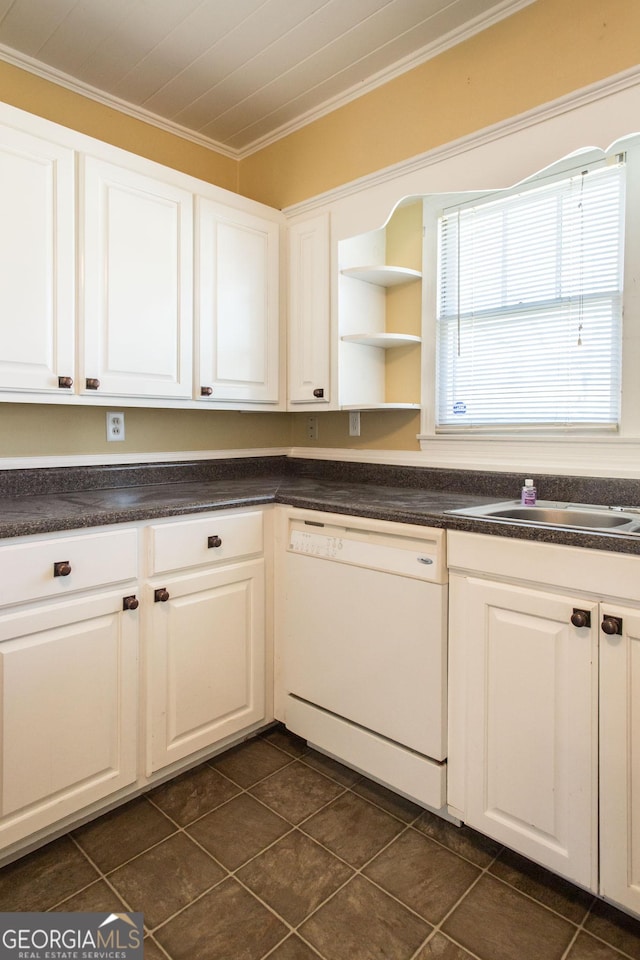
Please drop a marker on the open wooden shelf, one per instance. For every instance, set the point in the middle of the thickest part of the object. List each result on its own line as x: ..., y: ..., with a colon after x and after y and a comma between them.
x: 383, y: 276
x: 385, y: 340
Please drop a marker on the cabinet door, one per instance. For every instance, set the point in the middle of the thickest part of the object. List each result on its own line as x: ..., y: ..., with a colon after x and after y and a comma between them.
x: 68, y: 709
x: 238, y: 304
x: 309, y: 311
x: 620, y: 760
x: 37, y: 263
x: 206, y: 660
x: 531, y: 722
x: 137, y: 306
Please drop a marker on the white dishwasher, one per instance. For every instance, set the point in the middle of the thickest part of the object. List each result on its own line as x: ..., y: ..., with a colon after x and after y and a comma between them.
x: 362, y: 630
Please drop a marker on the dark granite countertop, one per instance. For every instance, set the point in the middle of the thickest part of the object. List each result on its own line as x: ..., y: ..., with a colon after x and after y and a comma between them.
x: 35, y: 502
x: 43, y: 513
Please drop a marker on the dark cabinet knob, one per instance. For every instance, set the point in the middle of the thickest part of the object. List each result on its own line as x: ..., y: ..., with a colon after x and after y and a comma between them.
x: 214, y: 542
x: 161, y: 595
x: 92, y: 383
x: 62, y: 568
x: 206, y: 391
x: 581, y: 618
x: 130, y: 603
x: 65, y: 383
x: 611, y: 625
x: 319, y: 392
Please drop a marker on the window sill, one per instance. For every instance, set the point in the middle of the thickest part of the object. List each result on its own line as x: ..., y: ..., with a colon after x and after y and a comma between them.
x: 602, y: 456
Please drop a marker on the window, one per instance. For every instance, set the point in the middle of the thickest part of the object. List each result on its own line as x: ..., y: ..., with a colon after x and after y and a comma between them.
x: 529, y: 306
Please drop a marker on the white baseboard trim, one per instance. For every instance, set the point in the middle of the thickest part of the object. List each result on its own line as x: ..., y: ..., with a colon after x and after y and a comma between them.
x: 122, y: 459
x: 404, y: 458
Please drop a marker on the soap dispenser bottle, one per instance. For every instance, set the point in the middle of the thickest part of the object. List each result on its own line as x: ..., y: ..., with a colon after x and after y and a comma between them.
x: 528, y: 495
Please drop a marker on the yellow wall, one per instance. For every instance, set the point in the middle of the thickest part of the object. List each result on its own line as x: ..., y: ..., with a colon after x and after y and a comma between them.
x: 391, y: 430
x: 404, y: 305
x: 545, y: 51
x: 47, y: 430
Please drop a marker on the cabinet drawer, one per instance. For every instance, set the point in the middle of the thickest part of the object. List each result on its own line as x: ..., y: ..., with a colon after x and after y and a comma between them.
x: 194, y: 543
x: 28, y: 570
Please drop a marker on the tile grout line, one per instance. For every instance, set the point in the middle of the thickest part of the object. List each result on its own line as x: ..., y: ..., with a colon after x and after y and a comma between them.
x: 356, y: 871
x: 582, y: 928
x: 182, y: 829
x: 231, y: 874
x: 437, y: 928
x: 579, y: 927
x: 533, y: 899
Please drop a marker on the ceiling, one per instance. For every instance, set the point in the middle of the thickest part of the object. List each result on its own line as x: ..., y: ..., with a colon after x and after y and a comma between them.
x: 234, y: 74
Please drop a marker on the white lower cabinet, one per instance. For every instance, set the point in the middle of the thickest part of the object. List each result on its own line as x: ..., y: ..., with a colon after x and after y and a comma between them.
x: 87, y: 718
x: 620, y: 761
x: 531, y: 717
x: 206, y: 659
x: 544, y: 706
x: 68, y: 709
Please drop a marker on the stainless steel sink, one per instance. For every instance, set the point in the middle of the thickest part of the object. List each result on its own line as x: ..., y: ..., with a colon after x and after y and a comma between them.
x: 563, y: 515
x: 550, y: 513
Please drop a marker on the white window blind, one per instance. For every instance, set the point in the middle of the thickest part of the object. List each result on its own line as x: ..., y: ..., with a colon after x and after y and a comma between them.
x: 529, y: 307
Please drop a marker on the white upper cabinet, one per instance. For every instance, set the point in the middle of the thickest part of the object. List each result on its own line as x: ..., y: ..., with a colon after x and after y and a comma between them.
x: 237, y: 304
x: 309, y: 311
x: 37, y: 264
x: 136, y: 308
x: 161, y: 319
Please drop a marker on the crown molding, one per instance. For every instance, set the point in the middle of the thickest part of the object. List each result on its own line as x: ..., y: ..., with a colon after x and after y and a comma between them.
x: 39, y: 69
x: 547, y: 111
x: 489, y: 18
x: 495, y: 14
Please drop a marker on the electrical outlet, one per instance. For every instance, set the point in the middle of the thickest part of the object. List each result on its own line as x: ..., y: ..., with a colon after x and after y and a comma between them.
x: 354, y: 423
x: 115, y: 426
x: 312, y: 428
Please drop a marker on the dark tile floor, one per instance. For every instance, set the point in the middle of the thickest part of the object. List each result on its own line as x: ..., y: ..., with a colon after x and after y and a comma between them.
x: 272, y: 850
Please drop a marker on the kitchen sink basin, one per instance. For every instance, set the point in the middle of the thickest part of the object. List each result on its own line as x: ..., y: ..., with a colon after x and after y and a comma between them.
x: 563, y: 515
x: 551, y: 513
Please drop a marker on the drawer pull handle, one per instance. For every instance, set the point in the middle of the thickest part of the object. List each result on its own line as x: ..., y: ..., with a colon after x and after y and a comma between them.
x: 130, y: 603
x: 319, y: 392
x: 65, y: 383
x: 62, y: 568
x: 214, y: 542
x: 612, y: 626
x: 161, y: 595
x: 92, y: 383
x: 581, y: 618
x: 206, y: 391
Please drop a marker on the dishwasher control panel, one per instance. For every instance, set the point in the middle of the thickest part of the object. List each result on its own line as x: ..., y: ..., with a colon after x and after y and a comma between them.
x: 374, y: 549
